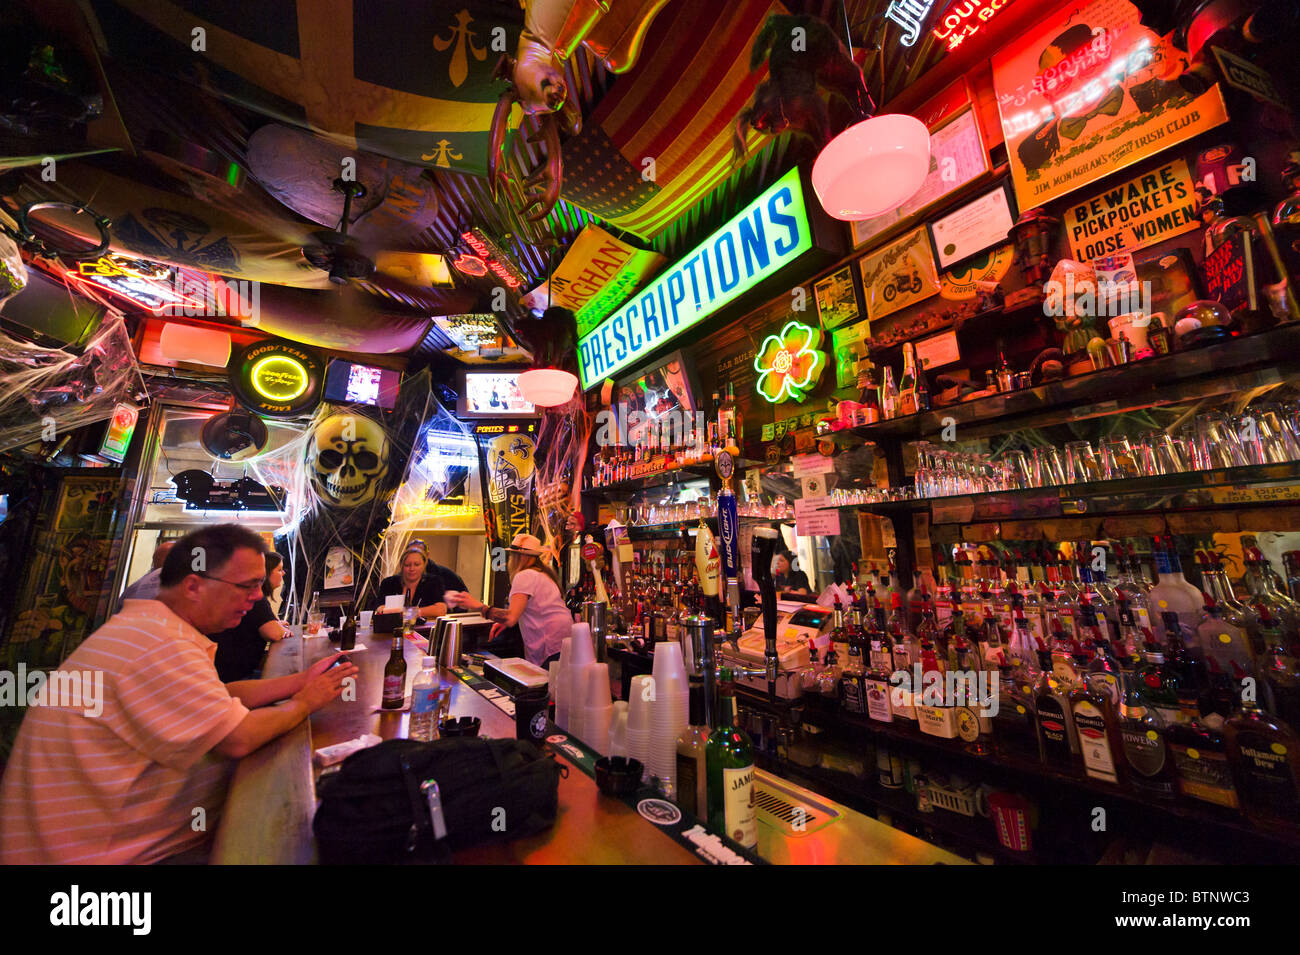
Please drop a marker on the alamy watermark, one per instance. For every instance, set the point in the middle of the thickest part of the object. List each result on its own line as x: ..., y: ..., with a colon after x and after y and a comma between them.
x: 224, y: 298
x: 971, y: 688
x: 636, y: 428
x: 1090, y: 298
x: 60, y: 689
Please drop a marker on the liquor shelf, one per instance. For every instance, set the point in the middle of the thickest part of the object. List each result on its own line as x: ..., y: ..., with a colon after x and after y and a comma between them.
x: 1220, y: 828
x: 1239, y: 365
x: 620, y: 489
x: 1220, y: 489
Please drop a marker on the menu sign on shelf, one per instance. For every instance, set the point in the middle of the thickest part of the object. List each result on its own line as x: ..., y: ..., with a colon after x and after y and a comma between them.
x: 1228, y: 273
x: 1096, y: 92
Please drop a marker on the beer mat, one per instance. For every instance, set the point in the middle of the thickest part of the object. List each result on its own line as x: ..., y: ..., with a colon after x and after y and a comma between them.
x: 687, y: 831
x: 405, y: 708
x: 487, y: 689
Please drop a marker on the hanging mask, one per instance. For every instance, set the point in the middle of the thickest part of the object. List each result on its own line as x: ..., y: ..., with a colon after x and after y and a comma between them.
x: 347, y: 458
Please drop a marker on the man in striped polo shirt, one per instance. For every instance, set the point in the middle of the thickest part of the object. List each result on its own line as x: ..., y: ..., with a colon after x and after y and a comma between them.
x: 129, y: 779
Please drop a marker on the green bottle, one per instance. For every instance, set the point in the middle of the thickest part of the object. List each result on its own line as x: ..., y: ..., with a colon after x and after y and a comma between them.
x: 729, y: 758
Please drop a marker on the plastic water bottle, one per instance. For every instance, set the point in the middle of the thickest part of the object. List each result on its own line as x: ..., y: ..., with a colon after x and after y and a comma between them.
x: 424, y: 701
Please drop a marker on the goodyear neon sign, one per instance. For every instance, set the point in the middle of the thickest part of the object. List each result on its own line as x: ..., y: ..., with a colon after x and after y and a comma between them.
x: 769, y: 234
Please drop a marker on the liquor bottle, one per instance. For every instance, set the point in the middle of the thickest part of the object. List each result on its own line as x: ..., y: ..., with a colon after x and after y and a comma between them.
x: 853, y: 697
x: 348, y: 632
x: 828, y: 680
x: 972, y: 727
x: 692, y: 761
x: 1159, y: 682
x: 1151, y: 770
x: 1014, y: 728
x: 1224, y: 636
x: 1096, y: 723
x: 888, y: 395
x: 1280, y: 670
x: 1220, y: 588
x: 1265, y: 593
x: 1200, y: 755
x: 839, y: 628
x: 1055, y: 723
x: 1102, y: 671
x: 882, y: 642
x: 870, y: 399
x: 729, y: 426
x: 1291, y: 566
x: 933, y: 715
x: 1172, y: 591
x: 907, y: 384
x: 1265, y: 756
x: 729, y: 757
x: 394, y: 695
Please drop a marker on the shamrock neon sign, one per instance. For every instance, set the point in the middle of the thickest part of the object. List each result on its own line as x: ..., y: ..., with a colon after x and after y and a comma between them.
x: 790, y: 363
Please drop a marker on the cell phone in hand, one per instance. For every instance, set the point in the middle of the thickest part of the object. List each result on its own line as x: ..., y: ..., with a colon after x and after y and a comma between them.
x: 341, y: 658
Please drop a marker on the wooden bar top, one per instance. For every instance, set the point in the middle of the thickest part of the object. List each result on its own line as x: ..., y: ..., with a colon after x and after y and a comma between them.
x: 272, y: 798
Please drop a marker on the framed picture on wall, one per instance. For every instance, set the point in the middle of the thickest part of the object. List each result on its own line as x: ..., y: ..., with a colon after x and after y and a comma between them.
x: 899, y: 275
x: 976, y: 226
x: 837, y: 298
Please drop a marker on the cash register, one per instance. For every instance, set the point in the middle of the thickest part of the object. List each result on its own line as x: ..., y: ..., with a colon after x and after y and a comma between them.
x: 799, y: 626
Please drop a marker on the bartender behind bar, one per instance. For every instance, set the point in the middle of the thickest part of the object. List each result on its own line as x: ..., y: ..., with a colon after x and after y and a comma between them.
x: 422, y: 590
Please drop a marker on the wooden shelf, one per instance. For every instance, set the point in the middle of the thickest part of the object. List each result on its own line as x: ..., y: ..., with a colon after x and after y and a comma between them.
x: 1232, y: 366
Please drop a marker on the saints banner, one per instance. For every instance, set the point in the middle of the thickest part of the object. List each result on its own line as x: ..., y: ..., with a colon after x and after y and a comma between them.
x: 507, y: 467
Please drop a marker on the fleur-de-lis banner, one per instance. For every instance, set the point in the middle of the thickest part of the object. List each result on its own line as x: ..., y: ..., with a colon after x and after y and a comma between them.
x: 408, y: 80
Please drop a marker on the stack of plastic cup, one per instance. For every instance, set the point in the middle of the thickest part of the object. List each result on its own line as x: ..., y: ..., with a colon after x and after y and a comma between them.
x: 562, y: 685
x: 618, y: 730
x: 669, y: 714
x: 582, y: 658
x: 599, y: 711
x: 638, y: 719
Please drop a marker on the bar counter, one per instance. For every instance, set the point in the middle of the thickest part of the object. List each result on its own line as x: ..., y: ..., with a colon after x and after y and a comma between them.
x: 269, y: 809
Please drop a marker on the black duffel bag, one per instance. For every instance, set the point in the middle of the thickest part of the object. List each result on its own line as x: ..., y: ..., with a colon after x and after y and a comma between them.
x: 376, y: 809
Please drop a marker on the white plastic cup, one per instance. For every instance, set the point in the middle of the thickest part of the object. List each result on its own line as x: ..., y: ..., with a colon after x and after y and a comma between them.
x: 563, y: 694
x: 582, y: 649
x: 598, y: 720
x: 577, y: 690
x: 366, y: 618
x: 638, y: 705
x: 618, y: 729
x: 598, y: 693
x: 669, y: 670
x: 638, y: 748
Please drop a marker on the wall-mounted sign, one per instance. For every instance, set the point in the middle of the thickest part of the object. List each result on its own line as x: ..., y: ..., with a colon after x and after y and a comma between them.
x: 120, y: 429
x: 901, y: 273
x: 1083, y: 98
x: 789, y: 364
x: 1143, y: 211
x: 957, y: 156
x: 973, y: 228
x: 992, y: 266
x: 277, y: 378
x: 1245, y: 75
x: 964, y: 19
x: 837, y: 298
x: 910, y: 15
x: 767, y: 235
x: 486, y: 256
x: 598, y: 273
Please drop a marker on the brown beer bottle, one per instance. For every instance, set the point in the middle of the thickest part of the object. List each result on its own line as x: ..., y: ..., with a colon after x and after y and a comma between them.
x: 395, y: 674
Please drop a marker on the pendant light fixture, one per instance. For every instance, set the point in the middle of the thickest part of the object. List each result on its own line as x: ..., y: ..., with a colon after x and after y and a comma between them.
x: 872, y: 167
x: 546, y: 385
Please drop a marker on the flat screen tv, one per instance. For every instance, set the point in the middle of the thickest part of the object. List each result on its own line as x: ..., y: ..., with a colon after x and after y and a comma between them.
x: 348, y: 383
x: 493, y: 394
x: 658, y: 390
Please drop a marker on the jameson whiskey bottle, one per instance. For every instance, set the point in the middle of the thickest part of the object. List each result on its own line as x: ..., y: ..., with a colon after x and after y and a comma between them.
x: 395, y: 674
x: 729, y: 756
x: 1265, y: 756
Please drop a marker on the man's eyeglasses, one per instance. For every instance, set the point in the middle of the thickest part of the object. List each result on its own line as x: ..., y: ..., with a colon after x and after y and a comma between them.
x: 251, y: 588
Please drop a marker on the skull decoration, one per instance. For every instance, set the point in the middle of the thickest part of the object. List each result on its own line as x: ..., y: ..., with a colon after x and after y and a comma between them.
x: 347, y: 458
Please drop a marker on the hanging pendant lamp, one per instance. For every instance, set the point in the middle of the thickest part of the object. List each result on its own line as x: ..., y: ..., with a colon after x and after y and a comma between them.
x: 873, y: 167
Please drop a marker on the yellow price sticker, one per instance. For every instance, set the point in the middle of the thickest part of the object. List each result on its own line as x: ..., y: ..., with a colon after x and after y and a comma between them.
x: 1279, y: 749
x: 1194, y: 754
x: 1224, y: 638
x: 1152, y: 735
